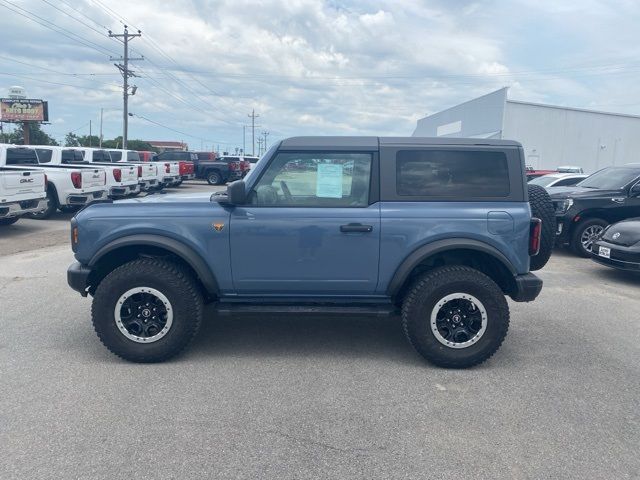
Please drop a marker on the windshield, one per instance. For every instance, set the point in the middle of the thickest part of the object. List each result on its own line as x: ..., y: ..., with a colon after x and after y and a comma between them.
x: 543, y: 181
x: 612, y: 178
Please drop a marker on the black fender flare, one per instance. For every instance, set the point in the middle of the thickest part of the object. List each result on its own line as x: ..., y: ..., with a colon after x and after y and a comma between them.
x: 421, y: 253
x: 186, y: 253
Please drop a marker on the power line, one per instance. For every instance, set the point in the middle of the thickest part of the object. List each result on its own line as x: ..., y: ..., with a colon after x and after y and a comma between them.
x: 176, y: 131
x: 50, y: 25
x: 55, y: 83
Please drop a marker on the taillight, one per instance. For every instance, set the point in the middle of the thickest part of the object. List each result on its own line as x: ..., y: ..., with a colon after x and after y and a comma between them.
x: 76, y: 179
x: 117, y: 174
x: 535, y: 232
x: 167, y: 168
x: 139, y: 171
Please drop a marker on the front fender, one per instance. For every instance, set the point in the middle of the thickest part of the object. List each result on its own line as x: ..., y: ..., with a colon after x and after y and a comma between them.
x: 176, y: 247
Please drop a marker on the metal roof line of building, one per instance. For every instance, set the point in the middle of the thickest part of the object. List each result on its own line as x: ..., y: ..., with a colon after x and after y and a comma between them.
x: 560, y: 107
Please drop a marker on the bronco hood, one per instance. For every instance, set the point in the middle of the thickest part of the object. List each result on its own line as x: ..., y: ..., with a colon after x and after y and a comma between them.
x: 625, y: 233
x: 170, y: 198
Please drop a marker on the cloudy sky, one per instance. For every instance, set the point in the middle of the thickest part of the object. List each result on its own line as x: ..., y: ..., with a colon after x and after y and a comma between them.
x: 312, y: 66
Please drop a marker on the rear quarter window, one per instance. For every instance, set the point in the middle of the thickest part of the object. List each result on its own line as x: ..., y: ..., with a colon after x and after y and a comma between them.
x: 21, y: 156
x: 44, y: 155
x: 452, y: 173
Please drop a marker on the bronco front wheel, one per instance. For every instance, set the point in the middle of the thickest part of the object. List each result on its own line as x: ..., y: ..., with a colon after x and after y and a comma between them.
x: 147, y: 310
x: 455, y: 316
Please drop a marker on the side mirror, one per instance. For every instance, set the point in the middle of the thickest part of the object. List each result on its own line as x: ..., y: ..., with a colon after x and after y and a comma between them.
x: 635, y: 190
x: 236, y: 193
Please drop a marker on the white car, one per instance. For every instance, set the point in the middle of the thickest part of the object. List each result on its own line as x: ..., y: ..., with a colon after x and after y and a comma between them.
x: 122, y: 180
x: 559, y: 180
x: 22, y: 187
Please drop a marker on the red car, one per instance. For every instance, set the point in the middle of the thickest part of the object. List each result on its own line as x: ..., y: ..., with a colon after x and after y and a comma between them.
x: 532, y: 173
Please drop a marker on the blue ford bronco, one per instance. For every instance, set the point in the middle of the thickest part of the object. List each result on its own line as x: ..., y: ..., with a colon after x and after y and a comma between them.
x: 437, y: 230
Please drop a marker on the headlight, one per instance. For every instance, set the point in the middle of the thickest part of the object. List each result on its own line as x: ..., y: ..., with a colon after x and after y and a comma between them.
x: 563, y: 206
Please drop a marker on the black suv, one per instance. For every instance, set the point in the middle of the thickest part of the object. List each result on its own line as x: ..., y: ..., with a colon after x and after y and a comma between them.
x: 582, y: 212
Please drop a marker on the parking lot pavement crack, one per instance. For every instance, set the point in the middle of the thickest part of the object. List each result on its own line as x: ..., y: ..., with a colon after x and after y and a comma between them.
x: 325, y: 445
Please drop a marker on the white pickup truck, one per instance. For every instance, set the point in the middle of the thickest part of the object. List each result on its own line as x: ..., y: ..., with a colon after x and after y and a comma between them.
x: 122, y: 180
x: 70, y: 185
x: 22, y: 189
x: 149, y: 177
x: 169, y: 170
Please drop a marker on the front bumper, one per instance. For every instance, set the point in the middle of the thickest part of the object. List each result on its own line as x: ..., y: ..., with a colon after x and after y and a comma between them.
x: 528, y: 287
x: 17, y: 209
x: 77, y: 277
x: 563, y: 229
x: 621, y: 257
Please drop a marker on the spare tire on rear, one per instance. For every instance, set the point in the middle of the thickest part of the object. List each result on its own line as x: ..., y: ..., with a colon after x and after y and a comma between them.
x: 542, y: 208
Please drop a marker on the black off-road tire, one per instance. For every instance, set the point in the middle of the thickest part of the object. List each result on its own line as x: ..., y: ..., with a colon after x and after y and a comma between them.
x: 576, y: 243
x: 424, y: 296
x: 52, y: 207
x: 173, y: 281
x: 214, y: 177
x: 8, y: 221
x: 542, y: 208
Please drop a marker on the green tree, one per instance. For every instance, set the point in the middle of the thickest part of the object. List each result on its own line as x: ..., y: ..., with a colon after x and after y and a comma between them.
x: 71, y: 140
x: 36, y: 136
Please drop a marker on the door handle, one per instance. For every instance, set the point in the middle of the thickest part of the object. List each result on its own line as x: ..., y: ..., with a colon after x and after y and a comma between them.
x: 356, y: 227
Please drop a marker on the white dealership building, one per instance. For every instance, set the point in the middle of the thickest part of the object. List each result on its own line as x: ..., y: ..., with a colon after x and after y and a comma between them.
x: 551, y: 135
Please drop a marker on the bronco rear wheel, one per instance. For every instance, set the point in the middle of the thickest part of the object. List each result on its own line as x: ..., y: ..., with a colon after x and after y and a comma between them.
x: 455, y: 316
x: 147, y: 310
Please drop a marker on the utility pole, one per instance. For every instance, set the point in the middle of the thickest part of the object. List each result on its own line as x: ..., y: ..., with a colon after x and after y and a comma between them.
x: 100, y: 142
x: 253, y: 117
x: 259, y: 146
x: 126, y: 73
x: 265, y: 134
x: 90, y: 133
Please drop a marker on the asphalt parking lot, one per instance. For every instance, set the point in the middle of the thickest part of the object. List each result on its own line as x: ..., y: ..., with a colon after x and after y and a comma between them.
x: 316, y: 397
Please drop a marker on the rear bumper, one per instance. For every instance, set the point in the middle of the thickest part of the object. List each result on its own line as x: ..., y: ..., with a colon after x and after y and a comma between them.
x: 190, y: 176
x: 17, y: 209
x: 528, y: 287
x: 146, y: 185
x: 77, y: 277
x: 86, y: 198
x: 123, y: 191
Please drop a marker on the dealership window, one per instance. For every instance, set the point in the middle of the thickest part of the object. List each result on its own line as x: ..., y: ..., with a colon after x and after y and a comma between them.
x: 315, y: 180
x: 452, y: 173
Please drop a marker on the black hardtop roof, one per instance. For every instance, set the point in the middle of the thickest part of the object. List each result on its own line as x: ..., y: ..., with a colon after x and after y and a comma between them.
x: 372, y: 143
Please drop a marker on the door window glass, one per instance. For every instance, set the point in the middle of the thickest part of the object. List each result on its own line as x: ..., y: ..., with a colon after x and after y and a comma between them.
x: 315, y: 180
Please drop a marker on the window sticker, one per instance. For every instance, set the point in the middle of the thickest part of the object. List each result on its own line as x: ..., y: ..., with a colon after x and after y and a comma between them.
x: 329, y: 181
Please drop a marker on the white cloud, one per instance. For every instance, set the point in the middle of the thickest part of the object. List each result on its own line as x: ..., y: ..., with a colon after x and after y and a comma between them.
x: 320, y: 67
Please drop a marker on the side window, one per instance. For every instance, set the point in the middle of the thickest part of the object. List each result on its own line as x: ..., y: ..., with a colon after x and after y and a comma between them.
x: 116, y: 155
x: 72, y: 156
x: 452, y: 173
x: 567, y: 182
x: 44, y: 155
x: 315, y: 180
x: 131, y: 156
